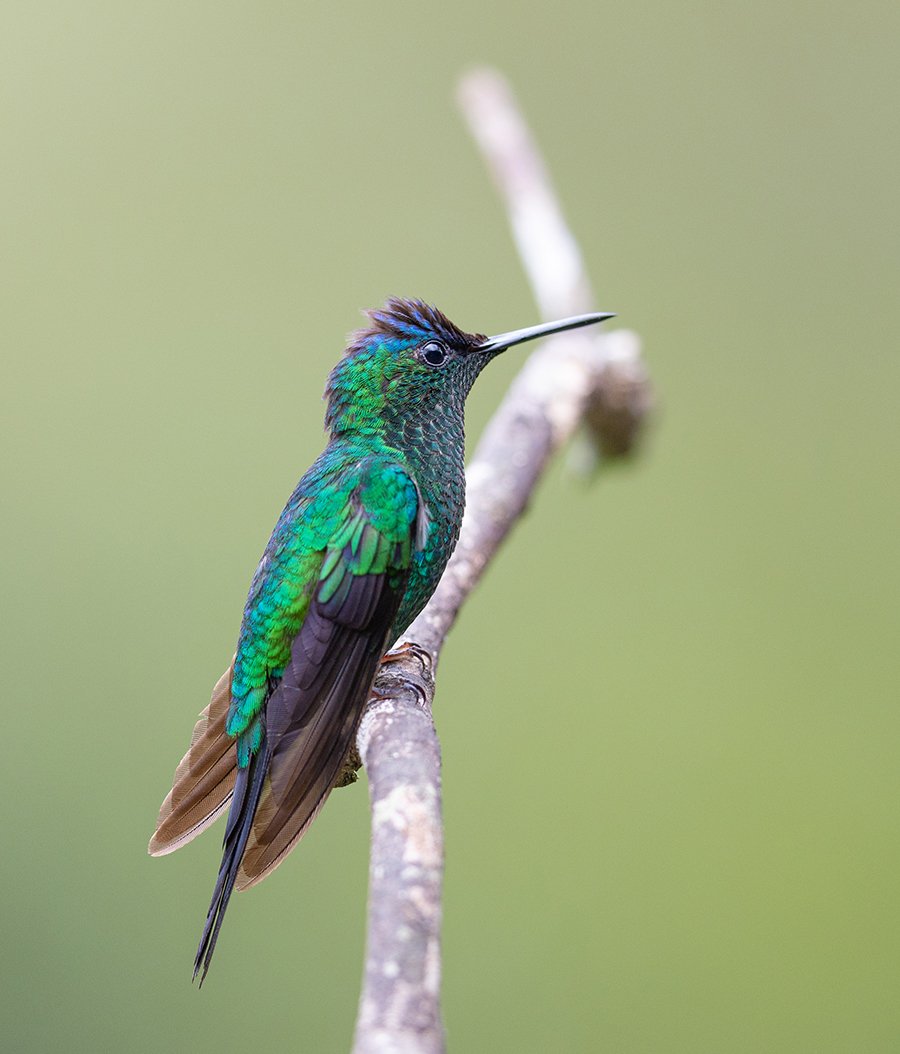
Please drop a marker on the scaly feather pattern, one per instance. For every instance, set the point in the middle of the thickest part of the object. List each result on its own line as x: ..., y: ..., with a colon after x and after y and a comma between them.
x: 313, y: 713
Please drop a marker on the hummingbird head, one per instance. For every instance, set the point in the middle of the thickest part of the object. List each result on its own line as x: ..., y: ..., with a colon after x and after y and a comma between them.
x: 411, y: 363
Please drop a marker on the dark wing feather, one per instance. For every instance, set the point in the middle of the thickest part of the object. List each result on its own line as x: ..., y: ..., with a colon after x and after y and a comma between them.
x: 314, y: 712
x: 204, y: 779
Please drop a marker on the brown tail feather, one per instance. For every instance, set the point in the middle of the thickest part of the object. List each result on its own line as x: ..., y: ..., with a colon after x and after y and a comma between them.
x: 204, y: 779
x: 261, y: 856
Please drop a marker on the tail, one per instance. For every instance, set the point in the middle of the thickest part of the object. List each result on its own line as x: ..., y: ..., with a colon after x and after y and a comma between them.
x: 247, y: 790
x: 204, y: 778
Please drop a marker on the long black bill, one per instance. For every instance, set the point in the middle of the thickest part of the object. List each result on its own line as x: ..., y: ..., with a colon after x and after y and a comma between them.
x: 519, y: 336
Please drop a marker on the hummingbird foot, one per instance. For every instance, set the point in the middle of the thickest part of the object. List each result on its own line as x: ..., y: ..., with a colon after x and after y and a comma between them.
x: 408, y: 649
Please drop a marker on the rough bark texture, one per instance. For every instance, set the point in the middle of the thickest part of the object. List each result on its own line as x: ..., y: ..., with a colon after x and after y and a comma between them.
x: 400, y: 1004
x: 575, y: 378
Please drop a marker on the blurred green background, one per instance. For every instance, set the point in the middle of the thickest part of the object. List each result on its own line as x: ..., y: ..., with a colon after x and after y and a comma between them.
x: 688, y: 672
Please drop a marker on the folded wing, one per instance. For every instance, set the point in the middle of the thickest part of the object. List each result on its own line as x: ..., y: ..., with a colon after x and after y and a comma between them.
x: 314, y: 712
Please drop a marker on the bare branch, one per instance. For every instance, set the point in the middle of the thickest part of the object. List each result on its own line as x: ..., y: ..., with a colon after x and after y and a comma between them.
x: 399, y: 1008
x: 549, y: 252
x: 572, y: 378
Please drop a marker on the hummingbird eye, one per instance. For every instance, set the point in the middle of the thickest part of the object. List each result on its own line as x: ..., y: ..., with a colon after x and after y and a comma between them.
x: 434, y: 353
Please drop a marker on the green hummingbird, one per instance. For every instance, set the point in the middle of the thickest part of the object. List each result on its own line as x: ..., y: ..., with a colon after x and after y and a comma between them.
x: 353, y: 558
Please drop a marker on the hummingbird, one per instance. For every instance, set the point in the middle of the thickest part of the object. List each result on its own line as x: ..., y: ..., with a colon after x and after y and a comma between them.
x: 354, y: 557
